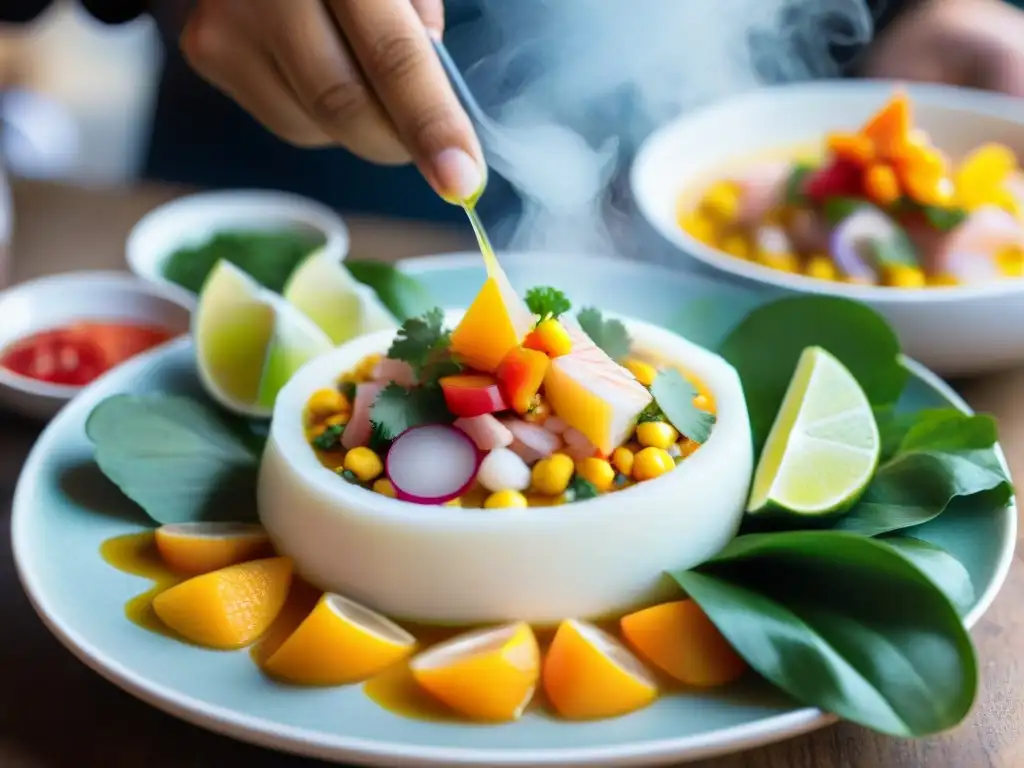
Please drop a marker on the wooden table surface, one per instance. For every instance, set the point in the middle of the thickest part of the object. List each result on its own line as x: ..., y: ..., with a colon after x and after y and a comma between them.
x: 54, y: 712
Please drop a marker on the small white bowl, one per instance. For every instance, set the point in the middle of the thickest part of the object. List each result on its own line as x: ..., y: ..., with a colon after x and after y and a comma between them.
x: 58, y: 300
x: 192, y: 220
x: 448, y: 565
x: 954, y: 331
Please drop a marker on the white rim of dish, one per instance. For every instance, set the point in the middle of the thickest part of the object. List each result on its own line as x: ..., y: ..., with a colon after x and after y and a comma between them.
x: 647, y: 157
x: 302, y: 210
x: 81, y: 280
x: 268, y: 733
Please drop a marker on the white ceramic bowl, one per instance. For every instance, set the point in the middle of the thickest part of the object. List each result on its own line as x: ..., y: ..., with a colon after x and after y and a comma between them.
x: 192, y: 220
x: 449, y: 565
x: 54, y: 301
x: 953, y: 331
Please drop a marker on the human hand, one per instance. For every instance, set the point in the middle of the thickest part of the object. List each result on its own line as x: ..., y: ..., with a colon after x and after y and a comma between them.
x: 357, y: 73
x: 973, y: 43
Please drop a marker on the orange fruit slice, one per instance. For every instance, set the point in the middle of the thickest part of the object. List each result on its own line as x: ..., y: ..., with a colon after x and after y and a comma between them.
x: 588, y: 674
x: 195, y: 548
x: 486, y: 675
x: 339, y: 642
x: 680, y: 639
x: 229, y: 608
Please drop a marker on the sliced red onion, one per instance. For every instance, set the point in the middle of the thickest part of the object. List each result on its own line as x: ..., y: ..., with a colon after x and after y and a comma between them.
x: 432, y: 464
x: 853, y: 241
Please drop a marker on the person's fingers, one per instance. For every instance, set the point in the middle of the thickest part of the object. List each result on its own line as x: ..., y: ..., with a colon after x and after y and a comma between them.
x: 431, y: 13
x: 399, y: 62
x: 232, y: 63
x: 307, y: 47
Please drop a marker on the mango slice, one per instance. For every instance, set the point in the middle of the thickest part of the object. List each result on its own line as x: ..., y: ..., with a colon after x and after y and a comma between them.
x: 495, y: 322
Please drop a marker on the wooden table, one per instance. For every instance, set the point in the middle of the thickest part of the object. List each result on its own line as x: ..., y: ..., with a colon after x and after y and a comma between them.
x: 54, y: 712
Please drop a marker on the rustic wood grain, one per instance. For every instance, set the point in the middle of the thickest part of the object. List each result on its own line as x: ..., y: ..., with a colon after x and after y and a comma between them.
x: 54, y: 712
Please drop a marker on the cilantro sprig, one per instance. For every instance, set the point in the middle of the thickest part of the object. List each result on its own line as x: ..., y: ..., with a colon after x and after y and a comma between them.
x: 674, y: 396
x: 610, y: 335
x: 425, y: 344
x: 397, y: 409
x: 547, y: 302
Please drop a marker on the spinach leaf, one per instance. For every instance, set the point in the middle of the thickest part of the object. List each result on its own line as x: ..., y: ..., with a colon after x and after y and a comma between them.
x: 845, y: 623
x: 765, y: 346
x: 175, y: 457
x: 402, y: 294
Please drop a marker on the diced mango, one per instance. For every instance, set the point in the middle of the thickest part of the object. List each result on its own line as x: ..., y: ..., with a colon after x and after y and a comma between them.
x: 594, y: 394
x: 521, y: 374
x: 496, y: 321
x: 889, y: 129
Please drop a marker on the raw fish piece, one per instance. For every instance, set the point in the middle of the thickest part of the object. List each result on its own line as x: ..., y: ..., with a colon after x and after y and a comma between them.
x: 398, y: 371
x: 486, y: 431
x: 762, y: 188
x: 969, y: 251
x: 531, y: 441
x: 357, y: 431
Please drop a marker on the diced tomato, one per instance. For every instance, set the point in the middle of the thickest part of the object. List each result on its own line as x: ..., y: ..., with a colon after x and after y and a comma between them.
x: 471, y: 394
x: 840, y: 178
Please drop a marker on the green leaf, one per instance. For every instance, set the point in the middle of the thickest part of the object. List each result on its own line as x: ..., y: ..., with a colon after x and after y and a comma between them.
x: 765, y: 346
x: 942, y: 454
x: 944, y: 219
x: 845, y: 623
x: 674, y: 395
x: 397, y: 409
x: 794, y: 193
x: 403, y: 295
x: 546, y: 301
x: 329, y: 438
x: 175, y: 457
x: 580, y: 489
x: 945, y: 571
x: 838, y: 208
x: 609, y: 335
x: 896, y: 250
x: 425, y: 344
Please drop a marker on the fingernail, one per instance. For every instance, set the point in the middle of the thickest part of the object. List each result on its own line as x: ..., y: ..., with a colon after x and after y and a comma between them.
x: 458, y: 175
x: 435, y: 34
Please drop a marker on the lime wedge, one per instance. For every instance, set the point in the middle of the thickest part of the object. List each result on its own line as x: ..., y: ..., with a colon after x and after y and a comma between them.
x: 823, y: 447
x: 249, y: 341
x: 323, y: 290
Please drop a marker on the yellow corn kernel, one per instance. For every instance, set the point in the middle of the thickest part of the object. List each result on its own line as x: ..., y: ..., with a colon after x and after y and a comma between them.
x: 326, y: 402
x: 656, y: 434
x: 333, y: 460
x: 722, y: 201
x: 622, y: 460
x: 820, y: 267
x: 784, y: 262
x: 698, y: 226
x: 551, y: 476
x: 944, y: 280
x: 882, y: 184
x: 364, y: 464
x: 688, y: 447
x: 554, y: 338
x: 645, y: 372
x: 364, y: 370
x: 338, y: 419
x: 505, y: 499
x: 900, y: 276
x: 384, y: 488
x: 701, y: 402
x: 736, y: 245
x: 651, y: 463
x: 1011, y: 260
x: 598, y: 472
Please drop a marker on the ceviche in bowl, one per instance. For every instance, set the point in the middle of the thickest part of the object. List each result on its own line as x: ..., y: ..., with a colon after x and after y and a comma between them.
x: 520, y: 460
x: 908, y: 198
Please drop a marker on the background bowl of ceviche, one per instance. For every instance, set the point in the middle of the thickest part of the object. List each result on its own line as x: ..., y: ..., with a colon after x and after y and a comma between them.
x: 956, y: 314
x: 592, y: 558
x: 62, y: 332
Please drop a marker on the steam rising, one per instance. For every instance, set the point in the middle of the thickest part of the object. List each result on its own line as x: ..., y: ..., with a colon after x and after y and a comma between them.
x: 576, y: 85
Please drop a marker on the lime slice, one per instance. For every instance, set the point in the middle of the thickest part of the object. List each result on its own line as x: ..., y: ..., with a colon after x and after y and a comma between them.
x: 824, y: 445
x: 327, y: 293
x: 249, y: 341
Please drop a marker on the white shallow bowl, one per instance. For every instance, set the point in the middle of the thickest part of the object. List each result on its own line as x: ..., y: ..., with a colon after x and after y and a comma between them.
x: 449, y: 565
x: 192, y: 220
x: 58, y: 300
x: 954, y: 331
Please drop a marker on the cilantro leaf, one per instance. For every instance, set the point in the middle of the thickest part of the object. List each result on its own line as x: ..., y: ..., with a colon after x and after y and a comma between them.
x: 580, y: 489
x: 674, y: 396
x: 609, y: 335
x: 329, y: 438
x: 547, y: 302
x: 795, y: 194
x: 397, y: 409
x: 651, y: 413
x: 425, y: 344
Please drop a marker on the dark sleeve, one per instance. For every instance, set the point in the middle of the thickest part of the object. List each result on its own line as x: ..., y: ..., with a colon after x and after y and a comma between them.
x: 107, y: 11
x: 885, y: 12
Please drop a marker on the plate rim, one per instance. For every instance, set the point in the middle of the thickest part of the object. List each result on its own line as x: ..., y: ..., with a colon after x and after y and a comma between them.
x: 296, y: 740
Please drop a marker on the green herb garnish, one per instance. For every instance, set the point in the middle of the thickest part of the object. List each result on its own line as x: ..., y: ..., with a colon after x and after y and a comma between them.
x: 350, y: 476
x: 546, y: 302
x: 177, y: 458
x: 397, y: 409
x: 674, y: 396
x: 944, y: 219
x: 838, y: 208
x: 580, y: 489
x: 329, y: 438
x: 651, y: 413
x: 425, y: 344
x: 610, y: 335
x: 794, y: 191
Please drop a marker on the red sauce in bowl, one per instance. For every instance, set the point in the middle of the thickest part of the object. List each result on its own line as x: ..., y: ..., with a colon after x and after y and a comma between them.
x: 76, y: 354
